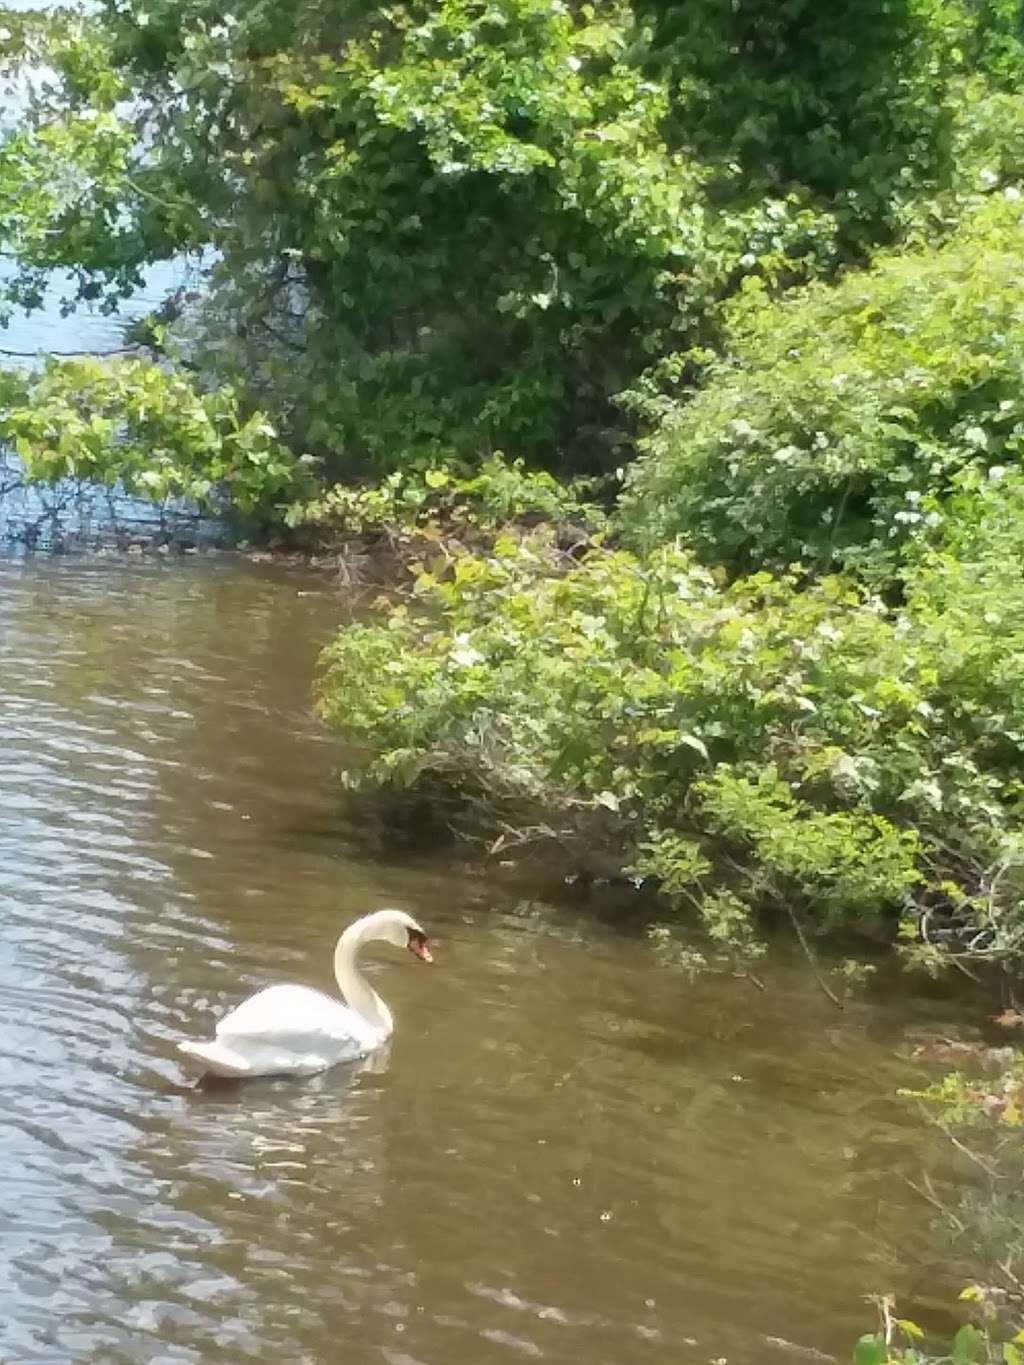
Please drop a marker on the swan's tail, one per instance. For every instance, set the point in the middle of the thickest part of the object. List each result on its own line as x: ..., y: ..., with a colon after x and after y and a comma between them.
x: 216, y: 1058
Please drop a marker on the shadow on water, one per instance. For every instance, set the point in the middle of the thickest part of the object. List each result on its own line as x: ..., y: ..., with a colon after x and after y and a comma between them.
x: 264, y: 1089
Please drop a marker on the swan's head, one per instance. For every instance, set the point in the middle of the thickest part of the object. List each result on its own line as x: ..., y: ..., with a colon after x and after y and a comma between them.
x: 400, y: 930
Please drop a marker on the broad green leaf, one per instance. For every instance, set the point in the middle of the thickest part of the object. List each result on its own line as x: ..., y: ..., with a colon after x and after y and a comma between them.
x: 870, y: 1350
x: 969, y: 1345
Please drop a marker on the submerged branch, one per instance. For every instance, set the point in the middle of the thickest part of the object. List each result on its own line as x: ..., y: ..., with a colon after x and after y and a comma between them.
x: 812, y: 960
x: 47, y: 351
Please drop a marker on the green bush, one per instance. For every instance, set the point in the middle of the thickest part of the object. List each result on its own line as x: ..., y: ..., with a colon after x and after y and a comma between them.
x: 988, y: 1340
x: 981, y: 1115
x: 783, y: 743
x: 840, y: 410
x: 443, y: 499
x: 154, y: 431
x: 848, y: 101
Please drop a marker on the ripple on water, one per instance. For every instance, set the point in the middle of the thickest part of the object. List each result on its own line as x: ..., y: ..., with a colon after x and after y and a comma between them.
x: 567, y: 1154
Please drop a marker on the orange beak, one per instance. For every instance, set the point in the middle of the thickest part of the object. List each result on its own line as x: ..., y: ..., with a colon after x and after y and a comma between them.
x: 421, y: 950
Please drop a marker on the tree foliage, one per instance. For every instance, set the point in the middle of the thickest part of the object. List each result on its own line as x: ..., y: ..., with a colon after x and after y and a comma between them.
x: 153, y: 432
x: 444, y: 229
x: 839, y: 414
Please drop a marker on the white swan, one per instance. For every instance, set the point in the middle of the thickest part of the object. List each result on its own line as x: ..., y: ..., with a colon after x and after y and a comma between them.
x: 293, y: 1030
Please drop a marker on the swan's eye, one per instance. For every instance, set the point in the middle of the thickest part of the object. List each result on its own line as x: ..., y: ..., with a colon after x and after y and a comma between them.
x: 417, y: 943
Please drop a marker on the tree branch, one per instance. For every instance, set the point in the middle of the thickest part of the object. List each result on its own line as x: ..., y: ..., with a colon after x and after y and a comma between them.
x: 44, y: 351
x: 813, y: 960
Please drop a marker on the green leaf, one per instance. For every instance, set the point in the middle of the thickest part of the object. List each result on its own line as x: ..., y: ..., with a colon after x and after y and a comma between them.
x: 969, y: 1345
x: 910, y: 1329
x: 870, y: 1350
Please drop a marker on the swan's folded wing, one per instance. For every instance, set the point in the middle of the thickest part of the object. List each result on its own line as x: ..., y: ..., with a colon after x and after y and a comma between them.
x: 296, y: 1019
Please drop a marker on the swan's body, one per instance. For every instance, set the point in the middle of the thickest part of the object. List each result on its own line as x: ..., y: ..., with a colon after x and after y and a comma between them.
x: 293, y: 1030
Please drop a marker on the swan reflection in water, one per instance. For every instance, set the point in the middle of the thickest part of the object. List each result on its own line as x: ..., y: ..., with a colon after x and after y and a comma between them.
x: 335, y: 1080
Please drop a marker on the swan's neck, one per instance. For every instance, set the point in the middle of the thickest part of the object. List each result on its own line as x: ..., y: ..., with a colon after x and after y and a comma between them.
x: 359, y: 994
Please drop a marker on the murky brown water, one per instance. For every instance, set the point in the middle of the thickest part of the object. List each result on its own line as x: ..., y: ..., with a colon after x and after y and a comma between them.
x: 569, y: 1155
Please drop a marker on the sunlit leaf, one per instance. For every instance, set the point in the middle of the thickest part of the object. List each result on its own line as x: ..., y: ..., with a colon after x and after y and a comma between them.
x: 910, y: 1329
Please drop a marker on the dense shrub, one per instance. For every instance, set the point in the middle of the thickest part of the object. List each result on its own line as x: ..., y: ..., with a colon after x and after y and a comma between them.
x: 839, y: 410
x: 443, y: 499
x: 763, y: 742
x: 845, y: 100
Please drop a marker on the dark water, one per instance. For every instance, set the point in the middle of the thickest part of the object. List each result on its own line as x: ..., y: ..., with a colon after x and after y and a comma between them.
x: 570, y: 1154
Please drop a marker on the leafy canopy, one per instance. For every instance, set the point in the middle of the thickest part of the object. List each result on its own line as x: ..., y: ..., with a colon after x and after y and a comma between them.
x: 838, y: 414
x: 443, y: 229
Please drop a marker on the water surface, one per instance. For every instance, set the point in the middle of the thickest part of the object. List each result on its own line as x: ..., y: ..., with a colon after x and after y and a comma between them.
x: 570, y: 1154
